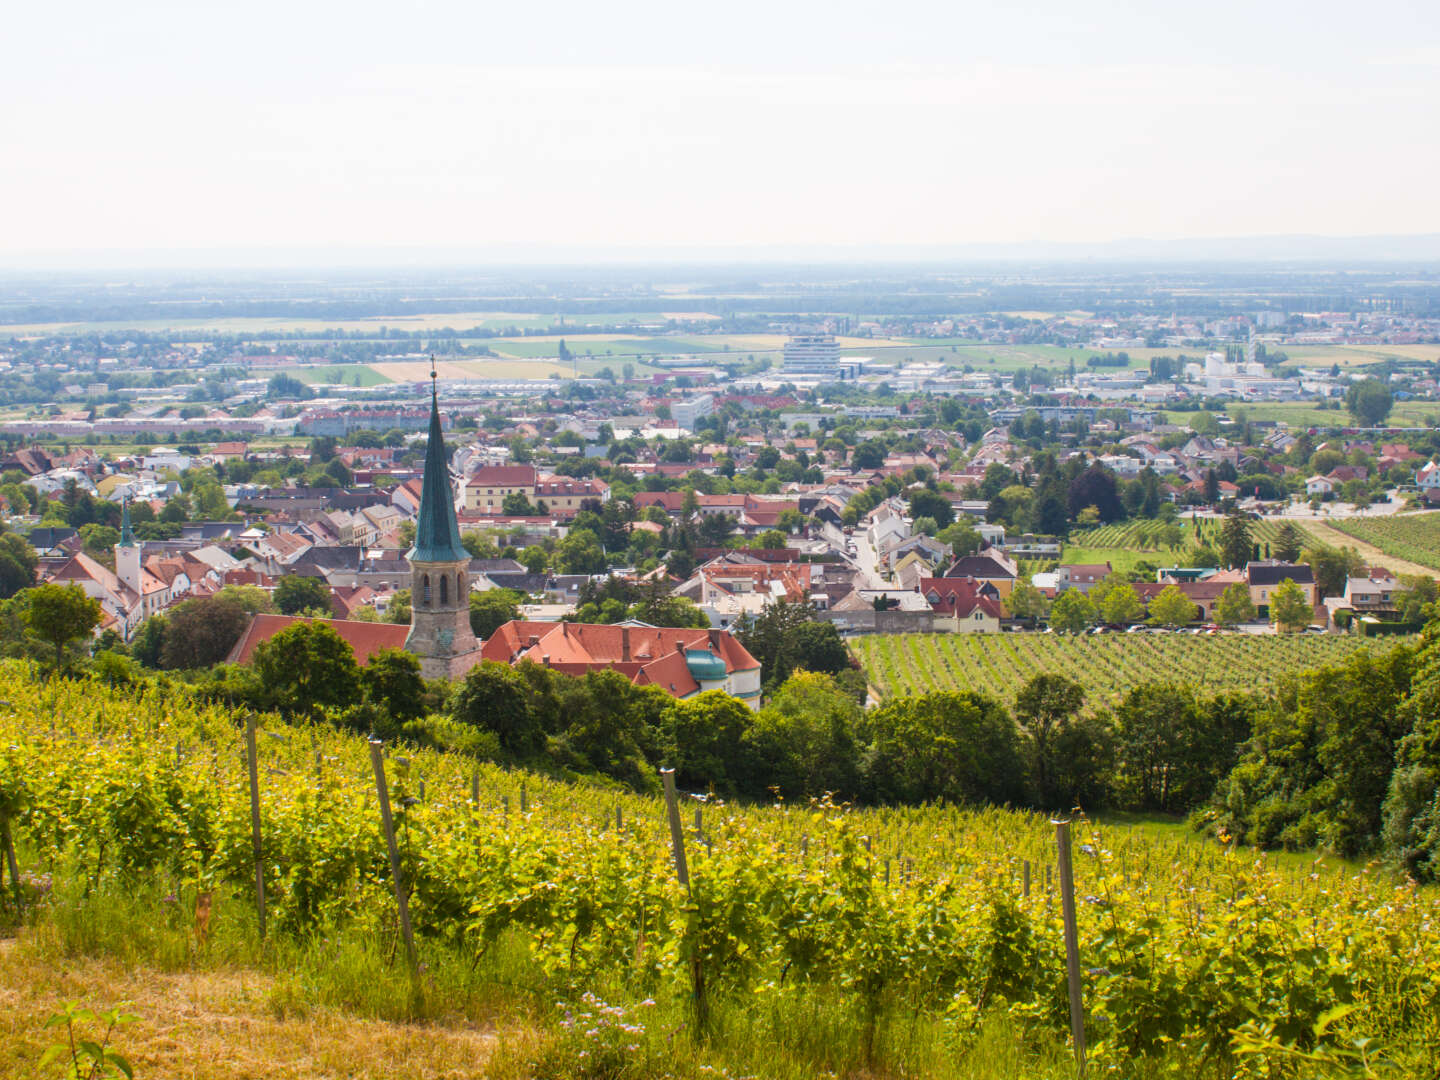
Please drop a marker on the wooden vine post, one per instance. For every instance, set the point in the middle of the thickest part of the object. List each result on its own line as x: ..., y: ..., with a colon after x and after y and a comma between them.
x: 402, y: 903
x: 677, y: 833
x: 8, y: 842
x: 682, y: 875
x: 1072, y: 942
x: 258, y: 850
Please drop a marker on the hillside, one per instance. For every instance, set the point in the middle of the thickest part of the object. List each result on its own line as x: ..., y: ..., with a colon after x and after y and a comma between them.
x: 808, y: 941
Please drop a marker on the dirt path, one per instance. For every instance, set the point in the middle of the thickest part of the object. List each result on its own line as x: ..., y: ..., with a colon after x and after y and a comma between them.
x: 219, y: 1025
x: 1373, y: 556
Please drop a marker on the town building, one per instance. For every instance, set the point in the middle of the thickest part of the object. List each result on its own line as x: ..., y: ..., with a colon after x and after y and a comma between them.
x: 440, y: 631
x: 681, y: 661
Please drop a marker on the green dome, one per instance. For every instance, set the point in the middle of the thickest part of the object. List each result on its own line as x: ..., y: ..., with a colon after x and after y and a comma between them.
x: 704, y: 665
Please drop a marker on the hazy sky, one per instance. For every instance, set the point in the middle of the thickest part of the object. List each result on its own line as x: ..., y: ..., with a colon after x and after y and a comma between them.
x: 466, y: 125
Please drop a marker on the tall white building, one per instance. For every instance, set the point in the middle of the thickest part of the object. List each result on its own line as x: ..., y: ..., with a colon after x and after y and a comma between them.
x: 813, y: 355
x: 690, y: 412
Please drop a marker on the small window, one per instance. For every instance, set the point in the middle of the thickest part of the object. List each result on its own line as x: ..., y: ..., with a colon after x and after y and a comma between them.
x: 444, y: 591
x: 425, y: 591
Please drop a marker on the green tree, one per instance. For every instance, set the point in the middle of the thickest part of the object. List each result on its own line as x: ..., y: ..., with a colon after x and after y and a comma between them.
x: 1026, y: 602
x: 806, y: 736
x: 252, y: 598
x: 99, y: 540
x: 1234, y: 605
x: 580, y: 553
x: 1122, y: 605
x: 1236, y: 546
x: 771, y: 538
x: 1333, y: 567
x: 931, y: 504
x: 492, y: 609
x: 960, y: 746
x: 295, y: 593
x: 1171, y: 608
x: 1416, y: 596
x: 307, y: 667
x: 148, y: 645
x: 517, y: 505
x: 706, y: 744
x: 535, y: 559
x: 59, y: 614
x: 17, y: 565
x: 493, y: 697
x: 1289, y: 608
x: 1164, y: 748
x: 201, y: 632
x: 1288, y: 543
x: 1369, y: 402
x: 1072, y: 612
x: 962, y: 537
x: 1045, y: 706
x: 391, y: 681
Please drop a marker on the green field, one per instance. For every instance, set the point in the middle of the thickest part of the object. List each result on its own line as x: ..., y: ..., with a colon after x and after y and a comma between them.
x: 1413, y: 537
x: 1298, y: 414
x: 344, y: 374
x: 1107, y: 665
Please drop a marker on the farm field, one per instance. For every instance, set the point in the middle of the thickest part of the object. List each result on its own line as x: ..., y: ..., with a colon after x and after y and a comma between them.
x: 348, y: 374
x: 1414, y: 538
x: 909, y: 936
x: 1106, y: 665
x: 1299, y: 414
x: 419, y: 370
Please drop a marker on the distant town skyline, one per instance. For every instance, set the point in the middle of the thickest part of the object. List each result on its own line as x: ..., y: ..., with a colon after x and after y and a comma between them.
x: 640, y: 128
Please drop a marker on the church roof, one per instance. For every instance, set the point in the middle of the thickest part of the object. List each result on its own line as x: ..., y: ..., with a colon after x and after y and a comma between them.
x: 437, y: 533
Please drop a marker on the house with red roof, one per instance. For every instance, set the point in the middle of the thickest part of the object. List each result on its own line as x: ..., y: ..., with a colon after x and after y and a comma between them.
x: 965, y: 605
x: 681, y: 661
x: 365, y: 638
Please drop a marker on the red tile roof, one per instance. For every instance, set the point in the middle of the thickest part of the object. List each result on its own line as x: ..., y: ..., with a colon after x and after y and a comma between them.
x: 647, y: 655
x: 364, y: 638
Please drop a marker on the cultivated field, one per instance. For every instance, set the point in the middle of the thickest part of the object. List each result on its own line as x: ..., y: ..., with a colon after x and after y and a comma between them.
x: 1107, y: 665
x: 924, y: 942
x: 1125, y: 545
x: 1412, y: 537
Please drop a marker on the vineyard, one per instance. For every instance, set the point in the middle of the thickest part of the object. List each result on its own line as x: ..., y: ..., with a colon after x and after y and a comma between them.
x: 1151, y: 535
x: 933, y: 923
x: 1107, y: 665
x: 1413, y: 537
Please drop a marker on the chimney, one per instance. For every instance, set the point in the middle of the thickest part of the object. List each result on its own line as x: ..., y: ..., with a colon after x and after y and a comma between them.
x: 534, y: 640
x: 624, y: 644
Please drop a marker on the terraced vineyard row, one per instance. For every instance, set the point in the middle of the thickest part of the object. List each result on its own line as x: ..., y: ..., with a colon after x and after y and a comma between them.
x: 1106, y: 665
x: 1413, y: 537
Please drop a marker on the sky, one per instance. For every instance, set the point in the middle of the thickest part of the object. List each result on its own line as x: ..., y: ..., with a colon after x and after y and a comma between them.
x: 594, y: 129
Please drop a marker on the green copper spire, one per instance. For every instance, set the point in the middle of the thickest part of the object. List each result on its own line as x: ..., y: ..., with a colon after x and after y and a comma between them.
x: 127, y: 538
x: 437, y: 533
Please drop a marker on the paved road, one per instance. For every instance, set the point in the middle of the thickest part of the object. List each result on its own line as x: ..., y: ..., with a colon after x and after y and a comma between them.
x: 865, y: 560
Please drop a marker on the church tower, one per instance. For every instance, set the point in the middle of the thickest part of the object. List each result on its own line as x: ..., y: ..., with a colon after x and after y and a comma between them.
x: 440, y: 633
x: 127, y: 551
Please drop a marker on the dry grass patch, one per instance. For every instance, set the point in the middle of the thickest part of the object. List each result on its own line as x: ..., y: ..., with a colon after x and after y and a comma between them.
x: 223, y: 1024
